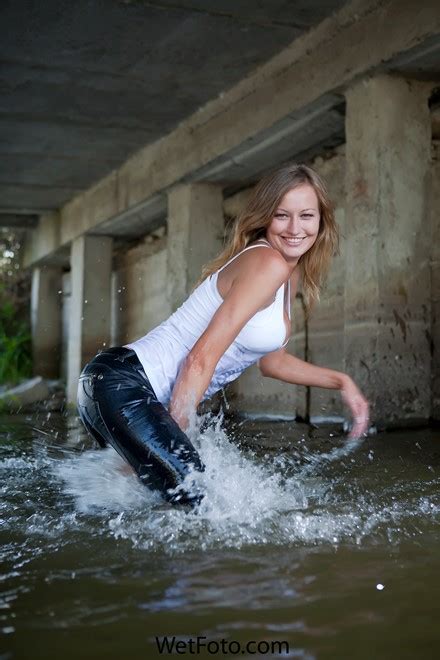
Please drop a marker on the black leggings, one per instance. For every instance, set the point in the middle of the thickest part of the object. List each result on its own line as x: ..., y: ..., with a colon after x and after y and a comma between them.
x: 118, y: 406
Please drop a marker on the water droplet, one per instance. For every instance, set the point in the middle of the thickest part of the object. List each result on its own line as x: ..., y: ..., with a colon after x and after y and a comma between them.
x: 380, y: 587
x: 100, y: 376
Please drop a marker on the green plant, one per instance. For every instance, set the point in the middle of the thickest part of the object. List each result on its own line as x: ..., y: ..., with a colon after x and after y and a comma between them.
x: 15, y: 346
x: 15, y: 335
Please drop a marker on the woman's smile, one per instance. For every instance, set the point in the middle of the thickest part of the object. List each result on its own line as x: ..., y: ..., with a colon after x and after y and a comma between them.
x: 295, y: 225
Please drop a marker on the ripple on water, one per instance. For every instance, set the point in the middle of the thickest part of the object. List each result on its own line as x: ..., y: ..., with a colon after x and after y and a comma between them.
x: 248, y: 501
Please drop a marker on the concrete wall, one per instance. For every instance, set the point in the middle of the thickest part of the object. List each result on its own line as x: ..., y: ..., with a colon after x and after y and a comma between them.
x: 140, y: 302
x: 326, y: 322
x: 139, y: 291
x: 138, y: 297
x: 324, y: 330
x: 319, y: 340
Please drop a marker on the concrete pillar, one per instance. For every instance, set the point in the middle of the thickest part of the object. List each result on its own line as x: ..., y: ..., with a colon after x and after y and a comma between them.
x: 387, y: 286
x: 46, y: 320
x: 435, y: 275
x: 89, y: 328
x: 195, y: 234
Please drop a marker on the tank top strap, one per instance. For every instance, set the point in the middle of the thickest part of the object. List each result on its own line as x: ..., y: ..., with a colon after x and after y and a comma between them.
x: 248, y: 247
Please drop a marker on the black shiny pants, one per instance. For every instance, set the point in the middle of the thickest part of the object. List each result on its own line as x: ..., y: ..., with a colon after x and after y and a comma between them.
x: 118, y: 406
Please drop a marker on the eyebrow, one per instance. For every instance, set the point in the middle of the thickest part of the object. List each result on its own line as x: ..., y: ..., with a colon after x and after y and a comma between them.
x: 284, y: 210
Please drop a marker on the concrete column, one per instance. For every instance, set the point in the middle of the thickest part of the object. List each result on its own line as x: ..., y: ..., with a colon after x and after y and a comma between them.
x: 46, y: 320
x: 89, y: 328
x: 435, y: 275
x: 387, y: 286
x: 195, y: 233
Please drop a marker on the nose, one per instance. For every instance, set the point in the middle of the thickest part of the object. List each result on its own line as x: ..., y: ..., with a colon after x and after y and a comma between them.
x: 294, y: 225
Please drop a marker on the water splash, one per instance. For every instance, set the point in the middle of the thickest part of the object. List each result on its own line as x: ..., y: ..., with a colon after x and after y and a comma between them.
x: 249, y: 499
x: 315, y: 461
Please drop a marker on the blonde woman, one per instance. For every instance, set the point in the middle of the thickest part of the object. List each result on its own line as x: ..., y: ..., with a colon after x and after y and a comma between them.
x: 140, y: 397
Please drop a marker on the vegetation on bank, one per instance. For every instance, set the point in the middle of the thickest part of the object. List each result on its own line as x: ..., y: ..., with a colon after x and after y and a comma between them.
x: 15, y: 330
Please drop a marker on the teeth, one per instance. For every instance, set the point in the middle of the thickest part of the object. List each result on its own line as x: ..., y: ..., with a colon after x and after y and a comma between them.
x: 293, y: 241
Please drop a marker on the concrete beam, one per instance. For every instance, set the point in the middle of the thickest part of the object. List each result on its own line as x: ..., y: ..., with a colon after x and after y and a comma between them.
x: 42, y: 241
x: 388, y: 278
x: 364, y: 36
x: 136, y: 221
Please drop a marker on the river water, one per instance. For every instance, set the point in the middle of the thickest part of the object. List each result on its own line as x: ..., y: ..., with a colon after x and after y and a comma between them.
x: 303, y: 547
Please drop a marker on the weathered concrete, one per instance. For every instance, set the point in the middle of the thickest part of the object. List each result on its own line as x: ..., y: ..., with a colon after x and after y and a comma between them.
x: 320, y: 339
x: 43, y: 240
x: 195, y: 234
x: 139, y: 290
x: 70, y: 97
x: 387, y: 289
x: 291, y: 107
x: 312, y: 72
x: 46, y: 320
x: 435, y: 283
x: 326, y: 322
x: 89, y: 328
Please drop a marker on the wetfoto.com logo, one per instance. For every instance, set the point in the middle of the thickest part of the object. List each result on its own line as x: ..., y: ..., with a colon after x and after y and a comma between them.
x: 168, y: 645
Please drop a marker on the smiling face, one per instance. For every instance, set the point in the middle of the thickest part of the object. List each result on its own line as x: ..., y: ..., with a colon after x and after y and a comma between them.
x: 295, y: 225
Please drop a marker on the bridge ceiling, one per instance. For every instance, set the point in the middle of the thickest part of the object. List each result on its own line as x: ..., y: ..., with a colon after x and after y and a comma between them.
x: 87, y: 83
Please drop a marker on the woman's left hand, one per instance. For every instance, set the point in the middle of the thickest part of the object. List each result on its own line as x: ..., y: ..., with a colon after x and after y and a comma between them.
x: 358, y: 404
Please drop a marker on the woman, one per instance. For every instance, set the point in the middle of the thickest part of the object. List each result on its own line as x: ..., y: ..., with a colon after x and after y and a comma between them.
x: 238, y: 314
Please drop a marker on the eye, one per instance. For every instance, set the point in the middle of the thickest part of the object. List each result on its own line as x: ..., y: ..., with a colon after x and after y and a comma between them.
x: 307, y: 215
x: 281, y: 215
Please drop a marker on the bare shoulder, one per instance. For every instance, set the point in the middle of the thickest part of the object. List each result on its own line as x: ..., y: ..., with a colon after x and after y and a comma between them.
x: 259, y: 261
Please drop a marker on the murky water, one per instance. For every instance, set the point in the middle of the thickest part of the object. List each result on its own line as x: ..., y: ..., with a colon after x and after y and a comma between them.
x: 328, y: 547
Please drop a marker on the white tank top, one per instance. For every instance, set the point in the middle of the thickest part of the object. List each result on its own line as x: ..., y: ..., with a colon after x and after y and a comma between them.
x: 162, y: 351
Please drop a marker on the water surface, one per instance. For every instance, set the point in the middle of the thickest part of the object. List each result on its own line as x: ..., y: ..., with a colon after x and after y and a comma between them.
x: 331, y: 547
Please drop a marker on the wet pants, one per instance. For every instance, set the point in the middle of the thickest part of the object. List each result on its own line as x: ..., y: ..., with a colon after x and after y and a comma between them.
x: 118, y: 406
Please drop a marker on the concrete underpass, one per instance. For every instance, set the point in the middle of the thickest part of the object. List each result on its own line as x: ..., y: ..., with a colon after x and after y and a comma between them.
x: 131, y: 135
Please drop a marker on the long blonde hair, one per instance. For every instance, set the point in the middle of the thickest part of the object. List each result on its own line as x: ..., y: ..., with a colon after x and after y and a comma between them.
x: 252, y: 222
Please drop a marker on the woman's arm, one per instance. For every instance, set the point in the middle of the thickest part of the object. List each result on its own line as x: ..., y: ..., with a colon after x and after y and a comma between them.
x: 290, y: 369
x: 256, y: 283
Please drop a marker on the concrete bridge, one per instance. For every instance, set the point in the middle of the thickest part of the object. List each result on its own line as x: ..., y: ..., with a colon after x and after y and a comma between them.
x: 133, y: 131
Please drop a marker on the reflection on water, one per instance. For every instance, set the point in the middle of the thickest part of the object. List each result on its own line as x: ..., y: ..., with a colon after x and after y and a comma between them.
x: 327, y: 544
